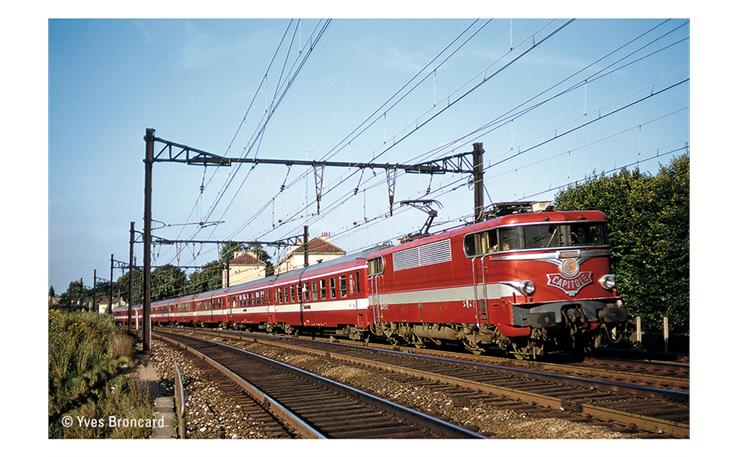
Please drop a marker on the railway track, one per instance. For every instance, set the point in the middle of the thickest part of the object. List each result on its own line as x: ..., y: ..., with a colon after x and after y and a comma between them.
x: 314, y: 406
x: 643, y: 407
x: 665, y: 376
x: 269, y: 425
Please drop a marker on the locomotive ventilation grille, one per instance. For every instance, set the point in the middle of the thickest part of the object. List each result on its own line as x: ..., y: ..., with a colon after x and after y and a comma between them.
x: 420, y: 256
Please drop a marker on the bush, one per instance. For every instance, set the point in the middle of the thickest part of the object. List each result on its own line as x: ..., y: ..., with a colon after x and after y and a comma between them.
x: 86, y: 355
x: 649, y: 233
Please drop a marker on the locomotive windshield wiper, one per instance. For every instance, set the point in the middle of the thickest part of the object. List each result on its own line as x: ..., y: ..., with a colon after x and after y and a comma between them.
x: 552, y: 237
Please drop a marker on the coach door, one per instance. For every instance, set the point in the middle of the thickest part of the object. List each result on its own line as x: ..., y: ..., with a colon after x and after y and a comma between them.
x: 376, y: 278
x: 480, y: 287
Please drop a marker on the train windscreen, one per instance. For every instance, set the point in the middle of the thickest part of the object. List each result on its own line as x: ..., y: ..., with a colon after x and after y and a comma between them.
x: 552, y: 236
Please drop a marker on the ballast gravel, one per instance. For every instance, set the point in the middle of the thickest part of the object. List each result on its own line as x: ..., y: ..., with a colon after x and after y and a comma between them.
x: 209, y: 411
x: 475, y: 414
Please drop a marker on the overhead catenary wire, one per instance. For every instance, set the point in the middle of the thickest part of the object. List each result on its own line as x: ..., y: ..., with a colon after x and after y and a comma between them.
x: 240, y: 125
x: 599, y: 74
x: 590, y: 81
x: 383, y: 216
x: 265, y: 119
x: 450, y: 104
x: 348, y: 195
x: 384, y: 108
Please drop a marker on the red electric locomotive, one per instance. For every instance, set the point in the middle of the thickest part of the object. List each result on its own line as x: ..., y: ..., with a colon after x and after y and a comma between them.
x: 529, y: 282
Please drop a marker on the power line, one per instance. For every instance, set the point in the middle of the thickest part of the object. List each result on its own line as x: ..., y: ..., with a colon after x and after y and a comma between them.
x: 337, y: 148
x: 241, y: 124
x: 637, y: 162
x: 265, y: 119
x: 486, y: 78
x: 591, y: 78
x: 349, y: 195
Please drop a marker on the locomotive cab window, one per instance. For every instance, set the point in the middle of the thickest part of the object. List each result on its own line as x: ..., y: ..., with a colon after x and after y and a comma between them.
x: 553, y: 235
x: 476, y: 244
x: 376, y: 266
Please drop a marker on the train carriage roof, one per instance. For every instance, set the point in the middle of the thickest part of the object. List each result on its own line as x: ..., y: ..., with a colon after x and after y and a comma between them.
x: 322, y: 267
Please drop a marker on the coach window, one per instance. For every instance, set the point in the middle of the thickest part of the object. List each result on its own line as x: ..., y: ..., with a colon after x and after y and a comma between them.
x: 315, y: 290
x: 279, y: 295
x: 333, y: 287
x: 342, y: 285
x: 293, y: 296
x: 322, y: 289
x: 305, y: 292
x: 376, y: 266
x: 351, y: 283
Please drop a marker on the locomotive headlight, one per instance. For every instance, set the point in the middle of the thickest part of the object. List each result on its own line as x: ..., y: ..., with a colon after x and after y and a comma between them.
x: 527, y: 287
x: 608, y: 281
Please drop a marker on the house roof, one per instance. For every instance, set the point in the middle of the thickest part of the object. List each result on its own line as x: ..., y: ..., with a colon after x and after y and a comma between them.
x: 319, y: 246
x: 246, y: 258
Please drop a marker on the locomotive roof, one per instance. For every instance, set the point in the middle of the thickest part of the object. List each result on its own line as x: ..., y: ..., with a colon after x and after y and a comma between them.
x: 509, y: 219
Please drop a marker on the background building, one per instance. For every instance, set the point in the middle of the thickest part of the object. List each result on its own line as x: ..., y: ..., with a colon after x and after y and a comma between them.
x: 243, y: 267
x: 320, y: 249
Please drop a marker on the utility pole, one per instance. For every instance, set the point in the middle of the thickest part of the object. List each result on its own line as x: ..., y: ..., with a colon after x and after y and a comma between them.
x: 110, y: 308
x: 94, y: 284
x: 305, y: 245
x: 478, y: 176
x: 148, y: 167
x: 130, y: 273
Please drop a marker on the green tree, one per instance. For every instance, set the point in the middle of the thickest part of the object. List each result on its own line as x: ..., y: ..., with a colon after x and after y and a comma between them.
x: 227, y: 250
x: 648, y: 221
x: 208, y: 278
x: 51, y: 292
x: 167, y: 281
x: 71, y: 297
x: 121, y: 285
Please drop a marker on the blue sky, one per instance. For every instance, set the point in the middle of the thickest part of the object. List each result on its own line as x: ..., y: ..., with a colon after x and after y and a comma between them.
x: 193, y: 79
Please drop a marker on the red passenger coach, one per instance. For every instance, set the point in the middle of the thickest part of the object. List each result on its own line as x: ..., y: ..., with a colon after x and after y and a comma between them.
x: 529, y: 282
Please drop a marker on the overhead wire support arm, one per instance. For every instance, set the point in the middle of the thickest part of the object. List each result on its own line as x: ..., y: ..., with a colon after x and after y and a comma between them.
x: 180, y: 153
x: 289, y: 241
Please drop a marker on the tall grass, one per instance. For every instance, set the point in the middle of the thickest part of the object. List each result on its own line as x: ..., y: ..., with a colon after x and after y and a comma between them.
x: 86, y: 355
